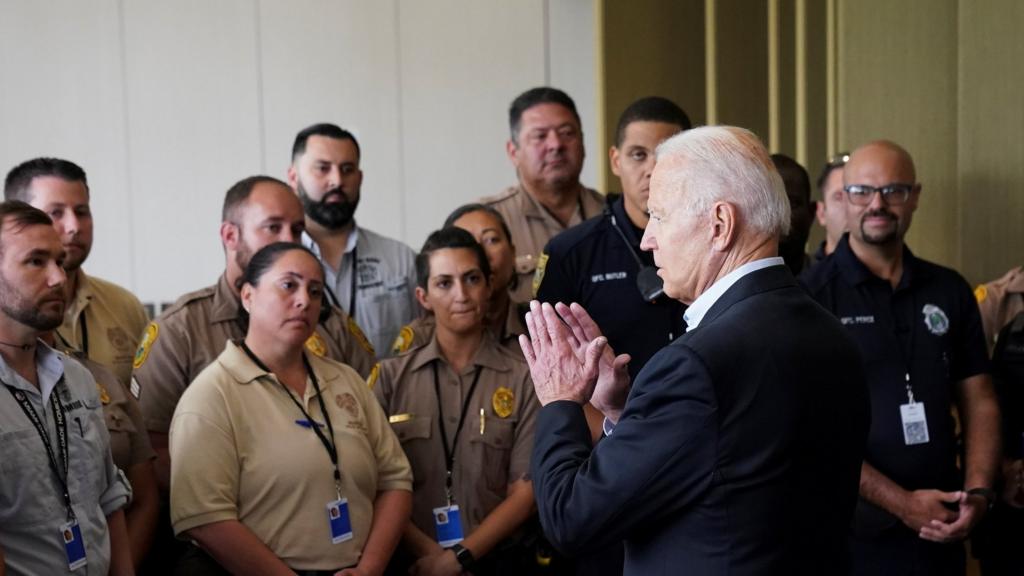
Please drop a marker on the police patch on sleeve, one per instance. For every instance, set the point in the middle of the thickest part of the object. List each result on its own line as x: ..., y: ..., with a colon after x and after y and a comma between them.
x: 503, y: 401
x: 980, y: 293
x: 316, y: 345
x: 538, y: 274
x: 402, y: 341
x: 935, y: 319
x: 371, y: 381
x: 357, y: 332
x: 148, y: 338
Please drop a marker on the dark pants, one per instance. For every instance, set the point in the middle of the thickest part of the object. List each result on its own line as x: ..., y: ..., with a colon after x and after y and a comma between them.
x: 900, y: 552
x: 998, y: 542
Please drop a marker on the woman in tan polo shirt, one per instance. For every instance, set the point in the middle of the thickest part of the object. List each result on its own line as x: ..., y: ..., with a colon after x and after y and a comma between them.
x: 281, y: 460
x: 464, y: 409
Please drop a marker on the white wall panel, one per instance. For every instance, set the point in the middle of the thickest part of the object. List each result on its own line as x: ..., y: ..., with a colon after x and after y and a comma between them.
x: 61, y: 96
x: 457, y: 83
x: 192, y: 80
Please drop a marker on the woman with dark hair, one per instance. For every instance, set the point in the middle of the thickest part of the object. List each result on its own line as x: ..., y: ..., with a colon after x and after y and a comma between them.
x: 504, y: 318
x: 464, y: 409
x: 282, y: 461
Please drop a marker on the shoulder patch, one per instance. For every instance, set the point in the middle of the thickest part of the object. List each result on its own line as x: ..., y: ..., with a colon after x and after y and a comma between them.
x: 538, y: 274
x: 148, y: 338
x: 357, y: 332
x: 316, y: 345
x: 371, y: 381
x: 403, y: 340
x: 980, y: 293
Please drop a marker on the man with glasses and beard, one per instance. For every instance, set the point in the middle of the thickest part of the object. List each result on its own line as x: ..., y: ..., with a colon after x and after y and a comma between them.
x: 61, y: 497
x: 371, y: 277
x: 920, y: 334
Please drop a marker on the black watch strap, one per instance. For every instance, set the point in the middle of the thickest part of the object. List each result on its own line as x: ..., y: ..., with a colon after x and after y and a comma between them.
x: 463, y: 555
x: 987, y: 493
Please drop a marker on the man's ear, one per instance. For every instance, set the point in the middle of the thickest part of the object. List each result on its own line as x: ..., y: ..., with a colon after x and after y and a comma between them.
x: 229, y: 235
x: 293, y: 177
x: 724, y: 220
x: 512, y: 149
x: 613, y: 160
x: 421, y: 297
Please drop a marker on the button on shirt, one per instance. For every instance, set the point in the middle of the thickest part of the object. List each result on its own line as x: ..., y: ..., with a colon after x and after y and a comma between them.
x: 928, y: 326
x: 385, y: 282
x: 532, y: 226
x: 32, y: 507
x: 591, y: 264
x: 492, y: 451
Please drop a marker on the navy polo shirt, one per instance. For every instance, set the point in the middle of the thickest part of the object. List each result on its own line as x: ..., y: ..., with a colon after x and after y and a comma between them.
x: 928, y: 327
x: 591, y: 264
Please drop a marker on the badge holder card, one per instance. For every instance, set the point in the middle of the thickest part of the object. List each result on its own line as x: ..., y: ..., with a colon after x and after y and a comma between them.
x: 74, y: 547
x: 448, y: 523
x: 339, y: 521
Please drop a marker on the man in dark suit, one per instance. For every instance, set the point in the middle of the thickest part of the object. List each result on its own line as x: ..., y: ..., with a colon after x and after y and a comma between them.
x: 738, y: 449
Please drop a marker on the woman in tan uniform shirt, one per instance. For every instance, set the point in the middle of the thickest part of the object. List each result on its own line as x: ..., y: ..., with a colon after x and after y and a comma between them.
x: 464, y: 409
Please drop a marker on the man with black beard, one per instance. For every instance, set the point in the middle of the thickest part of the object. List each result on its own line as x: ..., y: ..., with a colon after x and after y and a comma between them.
x: 61, y: 498
x: 919, y: 331
x: 371, y: 277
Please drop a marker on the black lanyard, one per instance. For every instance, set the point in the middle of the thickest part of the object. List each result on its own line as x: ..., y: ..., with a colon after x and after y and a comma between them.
x: 62, y: 436
x: 332, y: 450
x: 449, y: 451
x: 352, y: 293
x: 84, y: 348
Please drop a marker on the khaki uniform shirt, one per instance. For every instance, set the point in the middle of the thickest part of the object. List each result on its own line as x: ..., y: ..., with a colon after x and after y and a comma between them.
x: 999, y: 302
x: 532, y: 226
x: 129, y: 442
x: 105, y: 323
x: 237, y: 453
x: 189, y: 335
x: 421, y: 330
x: 493, y: 449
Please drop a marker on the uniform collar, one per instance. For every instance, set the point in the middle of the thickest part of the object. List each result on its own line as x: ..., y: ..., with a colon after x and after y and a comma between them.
x: 856, y: 273
x: 488, y: 355
x: 350, y: 245
x: 226, y: 305
x: 49, y: 370
x: 82, y: 296
x: 532, y: 208
x: 622, y: 222
x: 696, y: 312
x: 243, y: 370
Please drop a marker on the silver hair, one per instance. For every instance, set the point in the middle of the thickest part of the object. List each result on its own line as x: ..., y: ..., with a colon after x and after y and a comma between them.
x: 730, y: 164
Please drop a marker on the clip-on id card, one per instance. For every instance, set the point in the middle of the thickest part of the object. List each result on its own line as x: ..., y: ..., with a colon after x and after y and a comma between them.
x: 339, y: 520
x: 74, y: 547
x: 448, y: 525
x: 915, y: 425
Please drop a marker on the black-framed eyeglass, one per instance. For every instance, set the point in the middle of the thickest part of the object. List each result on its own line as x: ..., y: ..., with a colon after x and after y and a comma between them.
x: 892, y: 194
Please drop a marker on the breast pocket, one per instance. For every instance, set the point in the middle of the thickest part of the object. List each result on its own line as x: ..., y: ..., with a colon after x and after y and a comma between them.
x: 27, y: 473
x: 88, y: 446
x: 121, y: 430
x: 495, y: 446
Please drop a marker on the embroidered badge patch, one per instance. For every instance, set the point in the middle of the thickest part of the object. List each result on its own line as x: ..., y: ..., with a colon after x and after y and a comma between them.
x: 503, y: 402
x: 402, y: 341
x: 538, y: 274
x: 935, y: 319
x: 147, y: 341
x: 315, y: 344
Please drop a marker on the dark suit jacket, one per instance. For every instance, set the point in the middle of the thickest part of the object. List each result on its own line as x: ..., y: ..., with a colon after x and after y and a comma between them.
x: 738, y: 452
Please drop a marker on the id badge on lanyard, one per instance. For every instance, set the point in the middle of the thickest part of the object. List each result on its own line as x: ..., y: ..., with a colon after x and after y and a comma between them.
x: 913, y: 419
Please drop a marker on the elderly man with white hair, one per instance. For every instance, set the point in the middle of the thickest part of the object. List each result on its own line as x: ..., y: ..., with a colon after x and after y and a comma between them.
x: 738, y: 448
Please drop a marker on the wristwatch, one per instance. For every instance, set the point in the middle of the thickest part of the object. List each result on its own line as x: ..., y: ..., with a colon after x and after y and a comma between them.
x: 463, y: 555
x: 987, y: 493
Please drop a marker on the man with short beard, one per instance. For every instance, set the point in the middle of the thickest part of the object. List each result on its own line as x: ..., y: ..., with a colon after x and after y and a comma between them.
x: 920, y: 334
x: 61, y: 497
x: 371, y: 277
x: 103, y: 321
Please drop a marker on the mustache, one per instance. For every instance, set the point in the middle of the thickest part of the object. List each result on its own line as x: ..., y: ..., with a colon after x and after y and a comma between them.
x: 881, y: 212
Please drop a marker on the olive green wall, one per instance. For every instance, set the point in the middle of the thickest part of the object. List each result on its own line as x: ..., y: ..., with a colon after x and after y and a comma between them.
x: 940, y: 77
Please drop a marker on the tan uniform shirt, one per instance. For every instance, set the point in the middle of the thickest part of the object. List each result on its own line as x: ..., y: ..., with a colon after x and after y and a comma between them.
x: 238, y: 453
x: 105, y: 323
x: 129, y: 442
x: 532, y: 226
x: 421, y: 330
x: 493, y: 449
x: 189, y: 335
x: 999, y: 302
